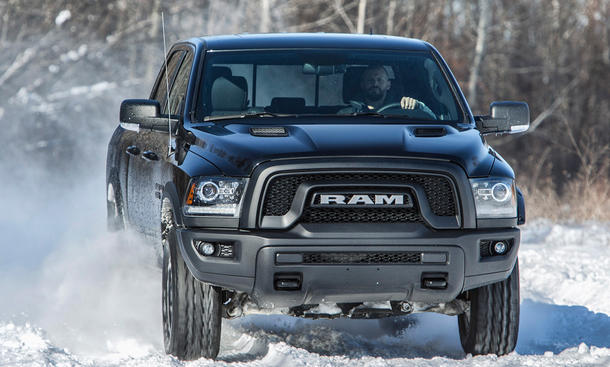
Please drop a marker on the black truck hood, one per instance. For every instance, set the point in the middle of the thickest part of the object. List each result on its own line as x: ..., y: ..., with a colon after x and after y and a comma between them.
x: 235, y: 151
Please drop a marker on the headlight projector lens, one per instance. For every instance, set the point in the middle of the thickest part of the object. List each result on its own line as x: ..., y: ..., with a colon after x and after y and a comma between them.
x: 500, y: 192
x: 208, y: 191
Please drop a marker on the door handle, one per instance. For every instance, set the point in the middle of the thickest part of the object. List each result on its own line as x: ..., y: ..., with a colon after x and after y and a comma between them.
x: 132, y: 150
x: 150, y: 156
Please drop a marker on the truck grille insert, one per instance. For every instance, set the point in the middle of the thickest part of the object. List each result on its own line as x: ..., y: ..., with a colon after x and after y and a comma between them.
x: 281, y: 190
x: 360, y: 215
x: 408, y: 257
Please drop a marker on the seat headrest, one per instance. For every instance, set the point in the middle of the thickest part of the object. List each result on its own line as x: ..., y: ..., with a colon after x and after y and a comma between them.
x: 287, y: 105
x: 218, y: 71
x: 230, y: 93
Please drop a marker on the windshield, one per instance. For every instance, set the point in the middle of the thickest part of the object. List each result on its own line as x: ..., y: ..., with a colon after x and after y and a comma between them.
x: 269, y: 83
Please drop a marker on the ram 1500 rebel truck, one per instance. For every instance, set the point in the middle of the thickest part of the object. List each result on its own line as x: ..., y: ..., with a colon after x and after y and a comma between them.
x: 319, y: 175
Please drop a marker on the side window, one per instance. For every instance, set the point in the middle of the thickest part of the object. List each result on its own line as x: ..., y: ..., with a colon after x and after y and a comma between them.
x: 178, y: 91
x: 161, y: 93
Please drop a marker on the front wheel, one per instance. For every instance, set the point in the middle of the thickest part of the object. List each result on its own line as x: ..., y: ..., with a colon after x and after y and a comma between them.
x: 191, y: 309
x: 491, y: 324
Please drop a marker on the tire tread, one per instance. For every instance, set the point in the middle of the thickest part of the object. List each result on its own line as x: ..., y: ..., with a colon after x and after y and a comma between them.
x: 494, y: 318
x: 197, y: 312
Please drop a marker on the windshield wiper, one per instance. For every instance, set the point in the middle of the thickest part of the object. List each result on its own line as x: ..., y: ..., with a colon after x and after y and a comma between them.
x: 366, y: 113
x: 247, y: 115
x: 374, y: 114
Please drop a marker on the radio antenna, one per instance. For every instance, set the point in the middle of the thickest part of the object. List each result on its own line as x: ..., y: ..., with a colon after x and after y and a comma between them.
x: 169, y: 122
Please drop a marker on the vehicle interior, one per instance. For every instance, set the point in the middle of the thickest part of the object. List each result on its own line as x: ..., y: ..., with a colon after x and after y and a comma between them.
x: 301, y: 87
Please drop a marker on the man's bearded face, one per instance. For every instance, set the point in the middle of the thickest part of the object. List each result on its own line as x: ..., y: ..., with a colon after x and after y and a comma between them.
x: 375, y: 84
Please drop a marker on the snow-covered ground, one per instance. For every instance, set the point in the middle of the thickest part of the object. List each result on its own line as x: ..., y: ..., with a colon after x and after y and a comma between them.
x: 73, y: 294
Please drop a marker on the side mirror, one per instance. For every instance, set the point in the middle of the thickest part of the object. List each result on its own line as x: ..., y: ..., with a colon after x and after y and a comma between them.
x: 139, y: 114
x: 505, y: 118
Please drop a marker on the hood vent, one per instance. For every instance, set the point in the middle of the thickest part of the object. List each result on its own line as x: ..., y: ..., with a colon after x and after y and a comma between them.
x: 429, y: 132
x: 268, y: 131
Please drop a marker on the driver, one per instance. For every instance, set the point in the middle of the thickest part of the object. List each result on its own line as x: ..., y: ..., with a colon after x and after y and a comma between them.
x: 374, y: 86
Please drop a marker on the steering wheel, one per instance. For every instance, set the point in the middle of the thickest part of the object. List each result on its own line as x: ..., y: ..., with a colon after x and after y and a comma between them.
x: 420, y: 107
x: 356, y: 105
x: 390, y: 106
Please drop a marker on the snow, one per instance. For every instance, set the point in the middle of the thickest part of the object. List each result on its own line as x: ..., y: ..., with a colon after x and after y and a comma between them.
x: 22, y: 59
x: 95, y: 300
x: 74, y: 55
x: 62, y: 17
x: 89, y: 91
x: 325, y: 308
x: 583, y: 277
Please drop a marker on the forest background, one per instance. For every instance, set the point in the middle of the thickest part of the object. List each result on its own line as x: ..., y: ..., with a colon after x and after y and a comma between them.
x: 65, y: 66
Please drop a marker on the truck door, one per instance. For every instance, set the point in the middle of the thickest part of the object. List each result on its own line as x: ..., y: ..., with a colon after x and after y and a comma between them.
x: 141, y: 188
x: 162, y: 170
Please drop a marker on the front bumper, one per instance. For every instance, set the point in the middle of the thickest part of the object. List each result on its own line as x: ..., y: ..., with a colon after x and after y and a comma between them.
x: 256, y: 266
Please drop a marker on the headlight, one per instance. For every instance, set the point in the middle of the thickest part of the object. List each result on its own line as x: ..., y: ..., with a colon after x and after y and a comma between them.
x: 494, y: 197
x: 214, y: 196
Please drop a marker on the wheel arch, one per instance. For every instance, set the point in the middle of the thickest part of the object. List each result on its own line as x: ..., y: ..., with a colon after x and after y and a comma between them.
x: 520, y: 207
x: 171, y: 201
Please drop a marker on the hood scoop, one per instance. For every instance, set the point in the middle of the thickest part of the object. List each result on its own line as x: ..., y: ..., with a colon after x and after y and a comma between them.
x: 429, y: 132
x: 268, y: 132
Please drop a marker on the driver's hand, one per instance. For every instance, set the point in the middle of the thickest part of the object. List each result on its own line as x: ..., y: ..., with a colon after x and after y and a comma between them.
x: 408, y: 103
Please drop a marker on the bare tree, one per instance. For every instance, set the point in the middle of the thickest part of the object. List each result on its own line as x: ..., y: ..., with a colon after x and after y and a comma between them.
x: 361, y: 16
x: 341, y: 11
x: 479, y: 49
x: 390, y: 18
x: 153, y: 33
x: 265, y: 16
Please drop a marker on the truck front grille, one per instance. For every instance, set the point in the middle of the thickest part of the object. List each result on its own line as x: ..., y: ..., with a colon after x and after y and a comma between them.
x: 282, y: 188
x: 403, y: 257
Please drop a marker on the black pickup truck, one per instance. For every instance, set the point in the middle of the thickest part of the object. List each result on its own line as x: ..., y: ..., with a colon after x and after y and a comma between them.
x: 319, y: 175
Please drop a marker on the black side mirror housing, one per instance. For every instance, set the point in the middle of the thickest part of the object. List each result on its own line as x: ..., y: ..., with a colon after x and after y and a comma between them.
x: 145, y: 114
x: 506, y: 117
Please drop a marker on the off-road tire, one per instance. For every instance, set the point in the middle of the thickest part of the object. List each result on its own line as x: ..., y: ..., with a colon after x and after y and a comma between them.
x: 491, y: 324
x: 191, y: 309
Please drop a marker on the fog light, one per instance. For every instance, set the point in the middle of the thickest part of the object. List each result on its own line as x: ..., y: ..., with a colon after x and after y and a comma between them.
x: 500, y: 247
x: 205, y: 248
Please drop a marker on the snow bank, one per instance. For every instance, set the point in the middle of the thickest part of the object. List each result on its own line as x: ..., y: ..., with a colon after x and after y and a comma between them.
x: 567, y: 264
